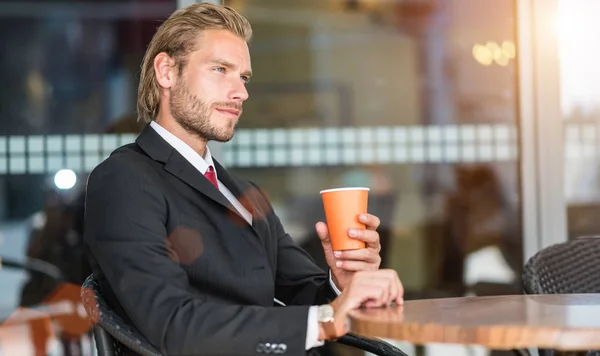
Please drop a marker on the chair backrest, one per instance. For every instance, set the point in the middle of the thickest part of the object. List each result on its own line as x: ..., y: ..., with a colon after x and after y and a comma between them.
x: 568, y: 267
x: 113, y: 336
x: 106, y: 345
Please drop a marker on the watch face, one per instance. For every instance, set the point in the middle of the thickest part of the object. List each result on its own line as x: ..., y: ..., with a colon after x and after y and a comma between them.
x: 325, y: 313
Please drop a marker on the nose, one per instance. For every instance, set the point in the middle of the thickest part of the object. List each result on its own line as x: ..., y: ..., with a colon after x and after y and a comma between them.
x: 239, y: 92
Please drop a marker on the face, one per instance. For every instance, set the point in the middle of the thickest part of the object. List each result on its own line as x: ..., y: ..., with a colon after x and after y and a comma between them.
x: 206, y: 99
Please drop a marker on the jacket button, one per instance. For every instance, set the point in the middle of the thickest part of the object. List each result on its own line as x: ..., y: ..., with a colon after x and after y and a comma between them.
x: 281, y: 348
x: 260, y: 348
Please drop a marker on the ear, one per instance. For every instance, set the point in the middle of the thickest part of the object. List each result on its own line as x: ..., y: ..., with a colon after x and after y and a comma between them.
x: 164, y: 68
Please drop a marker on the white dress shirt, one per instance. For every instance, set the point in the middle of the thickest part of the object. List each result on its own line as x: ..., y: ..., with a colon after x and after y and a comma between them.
x: 202, y: 164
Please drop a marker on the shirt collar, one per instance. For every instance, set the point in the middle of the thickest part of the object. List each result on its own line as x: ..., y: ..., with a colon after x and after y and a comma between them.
x: 201, y: 163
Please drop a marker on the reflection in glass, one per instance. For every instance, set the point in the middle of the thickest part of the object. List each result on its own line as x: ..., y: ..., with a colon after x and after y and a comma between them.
x: 580, y: 105
x: 69, y: 71
x: 416, y: 100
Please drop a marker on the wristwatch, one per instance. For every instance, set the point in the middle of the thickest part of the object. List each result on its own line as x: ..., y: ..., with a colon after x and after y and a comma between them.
x: 325, y: 317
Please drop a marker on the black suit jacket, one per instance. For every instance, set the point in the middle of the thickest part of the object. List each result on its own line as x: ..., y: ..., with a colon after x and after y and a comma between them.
x: 175, y: 258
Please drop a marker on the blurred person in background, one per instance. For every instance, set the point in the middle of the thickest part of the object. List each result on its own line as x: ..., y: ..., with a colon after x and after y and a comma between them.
x: 56, y: 237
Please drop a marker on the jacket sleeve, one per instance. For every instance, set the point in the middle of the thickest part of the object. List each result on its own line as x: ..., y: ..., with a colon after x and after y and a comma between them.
x: 125, y: 233
x: 299, y: 280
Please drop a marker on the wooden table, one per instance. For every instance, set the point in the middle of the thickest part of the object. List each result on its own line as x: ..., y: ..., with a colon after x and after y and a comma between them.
x: 559, y: 321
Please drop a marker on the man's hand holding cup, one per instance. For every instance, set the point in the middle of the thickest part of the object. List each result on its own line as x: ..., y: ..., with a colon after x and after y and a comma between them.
x: 351, y: 245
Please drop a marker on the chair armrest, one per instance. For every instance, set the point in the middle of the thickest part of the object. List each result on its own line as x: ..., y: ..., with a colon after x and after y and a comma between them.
x: 374, y: 346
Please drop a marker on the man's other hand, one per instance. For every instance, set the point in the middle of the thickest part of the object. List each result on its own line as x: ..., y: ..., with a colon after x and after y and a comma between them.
x: 370, y: 289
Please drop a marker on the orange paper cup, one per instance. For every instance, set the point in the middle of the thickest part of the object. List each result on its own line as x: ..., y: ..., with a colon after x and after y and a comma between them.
x: 342, y: 207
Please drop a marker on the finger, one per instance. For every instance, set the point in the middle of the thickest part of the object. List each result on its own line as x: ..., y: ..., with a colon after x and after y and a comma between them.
x: 373, y: 304
x: 322, y: 231
x: 388, y: 279
x: 363, y: 254
x: 378, y: 301
x: 360, y: 294
x: 400, y: 297
x: 394, y: 291
x: 383, y: 284
x: 371, y: 221
x: 354, y: 266
x: 373, y: 294
x: 385, y: 295
x: 371, y: 237
x: 396, y: 284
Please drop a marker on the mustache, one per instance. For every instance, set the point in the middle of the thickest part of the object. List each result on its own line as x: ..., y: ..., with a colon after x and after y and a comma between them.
x: 228, y: 105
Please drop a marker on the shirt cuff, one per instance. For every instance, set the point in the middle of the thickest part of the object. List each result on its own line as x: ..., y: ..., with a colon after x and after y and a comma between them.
x: 333, y: 286
x: 312, y: 334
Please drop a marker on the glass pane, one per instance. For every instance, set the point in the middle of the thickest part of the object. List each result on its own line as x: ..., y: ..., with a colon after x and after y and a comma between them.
x: 69, y: 73
x: 580, y: 104
x: 413, y: 99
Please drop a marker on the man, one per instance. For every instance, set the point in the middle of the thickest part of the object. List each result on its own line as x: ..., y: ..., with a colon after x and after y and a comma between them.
x: 193, y: 256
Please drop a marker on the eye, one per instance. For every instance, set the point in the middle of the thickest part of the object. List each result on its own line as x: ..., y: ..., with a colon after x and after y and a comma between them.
x: 220, y: 69
x: 245, y: 79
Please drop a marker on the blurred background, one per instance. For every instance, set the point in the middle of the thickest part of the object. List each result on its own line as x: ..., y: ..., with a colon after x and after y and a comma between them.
x: 474, y: 122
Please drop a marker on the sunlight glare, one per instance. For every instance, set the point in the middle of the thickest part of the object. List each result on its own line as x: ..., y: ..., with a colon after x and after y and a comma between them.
x: 577, y: 26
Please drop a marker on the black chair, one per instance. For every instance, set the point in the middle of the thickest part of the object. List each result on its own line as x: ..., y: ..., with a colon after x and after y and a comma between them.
x: 374, y: 346
x: 564, y: 268
x: 33, y: 265
x: 116, y: 338
x: 113, y: 336
x: 568, y: 267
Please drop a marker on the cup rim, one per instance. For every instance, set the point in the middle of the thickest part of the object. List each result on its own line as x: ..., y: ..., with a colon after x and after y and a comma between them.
x: 343, y: 189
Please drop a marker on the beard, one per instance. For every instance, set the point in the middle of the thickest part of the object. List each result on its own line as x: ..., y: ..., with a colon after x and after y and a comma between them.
x: 194, y: 115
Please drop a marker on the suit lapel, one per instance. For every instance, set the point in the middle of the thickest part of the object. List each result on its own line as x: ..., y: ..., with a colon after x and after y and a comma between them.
x: 247, y: 196
x: 160, y: 150
x: 182, y: 169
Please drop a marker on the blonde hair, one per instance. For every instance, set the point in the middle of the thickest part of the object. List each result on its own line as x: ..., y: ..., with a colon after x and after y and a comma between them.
x: 177, y: 37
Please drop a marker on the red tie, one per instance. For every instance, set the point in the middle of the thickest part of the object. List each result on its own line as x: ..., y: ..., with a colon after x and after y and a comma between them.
x: 211, y: 176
